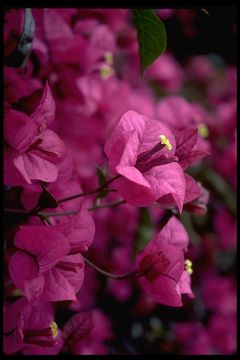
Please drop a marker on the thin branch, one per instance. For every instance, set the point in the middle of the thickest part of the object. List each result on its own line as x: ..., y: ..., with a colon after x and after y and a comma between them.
x: 109, y: 205
x: 17, y: 211
x: 62, y: 213
x: 100, y: 188
x: 133, y: 273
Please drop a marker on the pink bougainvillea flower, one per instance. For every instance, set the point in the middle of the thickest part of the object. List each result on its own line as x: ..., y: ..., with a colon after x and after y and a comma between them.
x: 76, y: 328
x: 223, y: 333
x: 162, y: 265
x: 198, y: 205
x: 96, y: 332
x: 188, y: 150
x: 193, y: 339
x: 142, y: 151
x: 31, y: 329
x: 17, y: 86
x: 52, y: 268
x: 226, y: 228
x: 219, y: 294
x: 31, y: 150
x: 167, y: 72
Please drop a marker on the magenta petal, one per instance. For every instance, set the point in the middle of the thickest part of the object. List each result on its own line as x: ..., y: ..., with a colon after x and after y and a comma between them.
x: 173, y: 233
x: 33, y: 289
x: 79, y: 230
x: 13, y: 176
x: 168, y: 179
x: 184, y: 284
x: 28, y: 266
x: 153, y: 129
x: 162, y: 290
x: 192, y: 157
x: 57, y: 287
x: 134, y: 193
x: 115, y: 149
x: 130, y: 123
x: 133, y: 174
x: 185, y: 141
x: 130, y: 151
x: 19, y: 131
x: 14, y: 342
x: 40, y: 316
x: 45, y: 111
x: 47, y: 244
x: 51, y: 147
x: 36, y: 168
x: 78, y: 326
x: 74, y: 277
x: 193, y: 190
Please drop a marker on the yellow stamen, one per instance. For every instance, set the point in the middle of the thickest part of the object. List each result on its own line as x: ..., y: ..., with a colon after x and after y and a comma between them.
x: 106, y: 71
x: 108, y: 56
x: 203, y: 130
x: 165, y: 141
x: 54, y: 329
x: 188, y: 266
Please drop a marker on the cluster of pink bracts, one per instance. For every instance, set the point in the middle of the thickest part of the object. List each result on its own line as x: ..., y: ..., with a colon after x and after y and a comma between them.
x: 81, y: 104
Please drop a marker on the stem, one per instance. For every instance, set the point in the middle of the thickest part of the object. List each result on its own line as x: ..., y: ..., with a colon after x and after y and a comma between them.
x: 62, y: 213
x: 109, y: 205
x: 90, y: 192
x: 17, y: 211
x: 133, y: 273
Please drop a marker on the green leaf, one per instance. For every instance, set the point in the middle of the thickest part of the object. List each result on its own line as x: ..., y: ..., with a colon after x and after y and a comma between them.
x: 145, y: 229
x: 101, y: 173
x: 20, y: 55
x: 46, y: 199
x: 152, y: 38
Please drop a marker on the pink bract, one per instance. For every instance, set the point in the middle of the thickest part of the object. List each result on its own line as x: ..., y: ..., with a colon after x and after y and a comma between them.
x: 32, y: 151
x: 162, y: 265
x: 28, y: 328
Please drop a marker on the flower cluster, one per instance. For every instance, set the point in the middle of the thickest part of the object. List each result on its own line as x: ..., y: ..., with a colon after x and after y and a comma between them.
x: 102, y: 176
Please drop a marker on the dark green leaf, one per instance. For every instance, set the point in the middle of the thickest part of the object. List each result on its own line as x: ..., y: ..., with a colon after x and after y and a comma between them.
x: 145, y: 229
x: 22, y: 52
x: 101, y: 181
x: 152, y: 38
x: 46, y: 199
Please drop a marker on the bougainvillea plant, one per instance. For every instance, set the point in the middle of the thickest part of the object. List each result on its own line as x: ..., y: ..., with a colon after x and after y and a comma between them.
x: 110, y: 170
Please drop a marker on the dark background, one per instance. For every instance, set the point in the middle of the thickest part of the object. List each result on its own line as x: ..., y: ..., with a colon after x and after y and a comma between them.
x: 216, y: 33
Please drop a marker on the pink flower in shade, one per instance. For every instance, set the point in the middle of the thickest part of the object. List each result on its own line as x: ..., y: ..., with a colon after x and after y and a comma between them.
x: 87, y: 296
x: 165, y: 13
x: 76, y: 328
x: 31, y: 150
x: 31, y: 329
x: 199, y: 204
x: 121, y: 261
x: 193, y: 339
x: 167, y: 72
x: 226, y: 229
x: 223, y: 333
x: 162, y: 265
x: 93, y: 341
x: 201, y: 69
x: 52, y: 268
x: 17, y: 85
x: 142, y: 151
x: 219, y: 294
x: 178, y: 113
